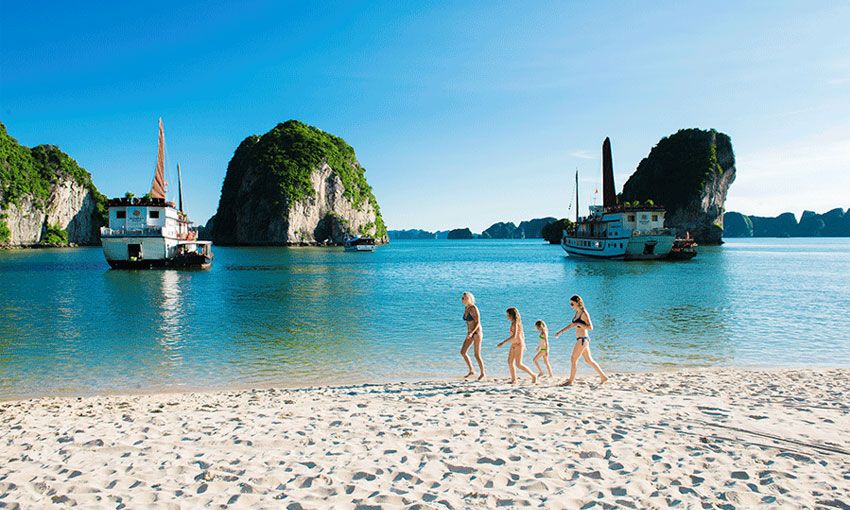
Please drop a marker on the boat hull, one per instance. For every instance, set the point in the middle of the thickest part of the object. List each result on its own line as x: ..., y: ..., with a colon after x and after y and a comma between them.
x: 191, y: 262
x: 641, y: 247
x: 360, y: 247
x: 151, y: 252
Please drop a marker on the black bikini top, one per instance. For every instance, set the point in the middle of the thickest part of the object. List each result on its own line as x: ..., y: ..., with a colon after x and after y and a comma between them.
x: 579, y: 320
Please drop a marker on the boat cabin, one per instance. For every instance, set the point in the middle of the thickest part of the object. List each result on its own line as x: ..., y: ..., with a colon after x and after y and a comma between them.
x: 147, y: 216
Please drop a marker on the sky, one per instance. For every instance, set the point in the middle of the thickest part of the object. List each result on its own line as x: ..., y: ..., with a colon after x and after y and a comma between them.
x: 462, y: 113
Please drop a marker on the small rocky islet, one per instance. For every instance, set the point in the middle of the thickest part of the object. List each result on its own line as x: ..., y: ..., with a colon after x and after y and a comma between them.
x: 295, y: 185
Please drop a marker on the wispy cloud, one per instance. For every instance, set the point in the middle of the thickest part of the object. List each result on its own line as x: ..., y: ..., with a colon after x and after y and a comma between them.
x: 583, y: 154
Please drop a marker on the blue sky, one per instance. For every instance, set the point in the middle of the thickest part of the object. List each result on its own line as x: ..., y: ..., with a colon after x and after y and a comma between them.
x: 463, y: 113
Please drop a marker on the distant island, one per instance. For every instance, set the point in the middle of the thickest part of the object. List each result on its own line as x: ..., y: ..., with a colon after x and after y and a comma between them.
x: 834, y: 223
x: 530, y: 229
x: 295, y: 185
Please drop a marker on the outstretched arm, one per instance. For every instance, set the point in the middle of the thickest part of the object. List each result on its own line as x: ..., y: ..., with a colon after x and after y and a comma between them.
x: 508, y: 339
x: 562, y: 330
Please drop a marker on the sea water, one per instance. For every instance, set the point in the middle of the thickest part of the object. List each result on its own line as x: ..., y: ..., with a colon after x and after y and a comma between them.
x: 306, y: 316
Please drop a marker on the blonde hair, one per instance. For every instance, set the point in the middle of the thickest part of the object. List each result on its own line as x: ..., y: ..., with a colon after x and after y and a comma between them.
x: 578, y: 301
x: 470, y: 298
x: 542, y: 325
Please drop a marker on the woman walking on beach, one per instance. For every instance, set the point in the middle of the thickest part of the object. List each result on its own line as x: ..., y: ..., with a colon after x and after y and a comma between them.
x: 474, y: 334
x: 517, y: 340
x: 583, y: 324
x: 542, y: 349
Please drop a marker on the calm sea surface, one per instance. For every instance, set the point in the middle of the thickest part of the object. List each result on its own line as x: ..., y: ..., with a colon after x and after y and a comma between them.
x: 303, y: 316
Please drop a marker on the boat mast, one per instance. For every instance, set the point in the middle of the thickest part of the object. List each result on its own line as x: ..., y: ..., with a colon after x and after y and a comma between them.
x: 609, y: 196
x: 576, y: 195
x: 179, y: 188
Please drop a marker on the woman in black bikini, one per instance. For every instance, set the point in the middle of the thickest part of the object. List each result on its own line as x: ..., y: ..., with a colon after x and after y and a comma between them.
x: 582, y: 323
x: 474, y: 334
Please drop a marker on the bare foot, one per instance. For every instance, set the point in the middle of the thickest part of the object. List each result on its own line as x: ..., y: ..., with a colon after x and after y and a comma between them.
x: 603, y: 379
x: 567, y: 383
x: 482, y: 376
x: 467, y: 376
x: 533, y: 379
x: 513, y: 381
x: 540, y: 374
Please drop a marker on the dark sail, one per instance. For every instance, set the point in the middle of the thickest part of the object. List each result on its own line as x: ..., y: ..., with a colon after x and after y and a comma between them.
x: 609, y: 196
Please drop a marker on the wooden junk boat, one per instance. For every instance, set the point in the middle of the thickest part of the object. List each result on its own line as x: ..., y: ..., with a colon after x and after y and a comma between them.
x: 622, y: 231
x: 150, y: 232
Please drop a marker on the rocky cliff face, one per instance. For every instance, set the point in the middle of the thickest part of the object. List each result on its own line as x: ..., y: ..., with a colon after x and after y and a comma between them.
x: 689, y: 173
x: 45, y: 197
x: 71, y: 207
x: 295, y: 185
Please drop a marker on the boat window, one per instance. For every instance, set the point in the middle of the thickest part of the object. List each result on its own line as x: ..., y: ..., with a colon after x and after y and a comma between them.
x: 120, y: 214
x: 153, y: 214
x: 631, y: 217
x: 654, y: 217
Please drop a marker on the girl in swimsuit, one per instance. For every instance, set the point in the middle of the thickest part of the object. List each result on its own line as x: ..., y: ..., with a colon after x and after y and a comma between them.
x: 582, y: 323
x: 542, y: 348
x: 474, y: 334
x: 517, y: 340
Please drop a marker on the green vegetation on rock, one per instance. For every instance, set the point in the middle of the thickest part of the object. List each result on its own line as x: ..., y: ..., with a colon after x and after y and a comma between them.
x: 677, y: 168
x: 553, y: 232
x: 55, y: 235
x: 5, y: 233
x: 25, y: 171
x: 288, y: 155
x: 32, y: 171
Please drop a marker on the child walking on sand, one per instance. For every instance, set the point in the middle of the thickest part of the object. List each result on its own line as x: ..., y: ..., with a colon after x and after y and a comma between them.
x: 517, y: 340
x: 542, y: 348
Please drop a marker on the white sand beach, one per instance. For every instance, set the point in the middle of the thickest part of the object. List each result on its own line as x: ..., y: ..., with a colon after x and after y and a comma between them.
x: 686, y: 439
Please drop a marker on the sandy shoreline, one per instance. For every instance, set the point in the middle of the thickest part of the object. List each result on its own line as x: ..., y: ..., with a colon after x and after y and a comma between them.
x: 733, y: 438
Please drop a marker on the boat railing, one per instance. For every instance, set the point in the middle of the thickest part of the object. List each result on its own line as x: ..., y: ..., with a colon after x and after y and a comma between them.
x: 654, y: 232
x: 130, y: 232
x: 587, y: 235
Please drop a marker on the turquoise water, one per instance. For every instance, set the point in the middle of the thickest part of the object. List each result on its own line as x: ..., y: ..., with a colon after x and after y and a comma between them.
x: 298, y: 316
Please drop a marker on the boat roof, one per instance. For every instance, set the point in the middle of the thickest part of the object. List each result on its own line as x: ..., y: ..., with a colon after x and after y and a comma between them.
x: 143, y: 201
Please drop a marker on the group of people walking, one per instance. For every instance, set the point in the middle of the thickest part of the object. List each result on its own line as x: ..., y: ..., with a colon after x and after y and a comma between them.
x: 475, y: 336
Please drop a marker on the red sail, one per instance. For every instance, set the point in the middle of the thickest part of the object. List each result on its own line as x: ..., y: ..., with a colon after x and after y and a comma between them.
x: 158, y: 186
x: 609, y: 196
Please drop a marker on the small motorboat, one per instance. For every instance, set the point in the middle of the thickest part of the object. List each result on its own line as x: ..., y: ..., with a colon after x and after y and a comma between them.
x: 360, y: 244
x: 683, y: 249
